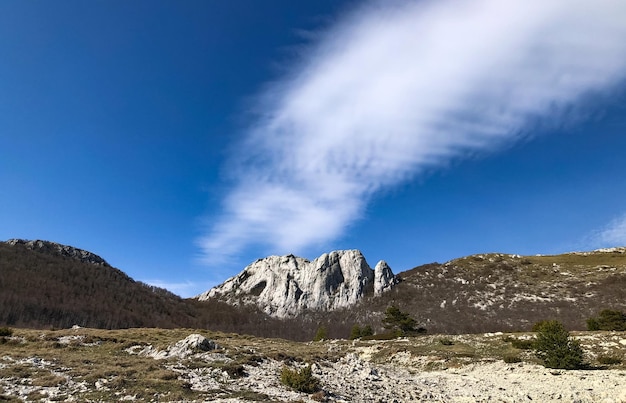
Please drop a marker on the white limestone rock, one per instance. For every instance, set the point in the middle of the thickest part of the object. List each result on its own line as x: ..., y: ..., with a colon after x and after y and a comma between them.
x: 384, y: 279
x: 192, y: 344
x: 284, y: 286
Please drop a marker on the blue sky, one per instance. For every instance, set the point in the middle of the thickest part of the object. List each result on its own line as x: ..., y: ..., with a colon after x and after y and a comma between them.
x: 183, y: 140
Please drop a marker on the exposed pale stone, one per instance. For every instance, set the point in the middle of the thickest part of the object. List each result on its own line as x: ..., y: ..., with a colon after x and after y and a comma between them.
x: 284, y: 286
x: 383, y: 278
x: 194, y: 343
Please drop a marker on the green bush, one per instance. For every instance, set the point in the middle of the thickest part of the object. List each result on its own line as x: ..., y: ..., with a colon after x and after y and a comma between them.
x: 556, y: 348
x: 302, y: 380
x: 6, y: 331
x: 609, y: 360
x: 357, y: 332
x: 608, y: 319
x: 511, y: 359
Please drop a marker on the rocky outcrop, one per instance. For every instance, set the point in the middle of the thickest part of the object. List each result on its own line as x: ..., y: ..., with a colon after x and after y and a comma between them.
x: 284, y: 286
x: 192, y: 344
x: 58, y: 249
x: 383, y: 278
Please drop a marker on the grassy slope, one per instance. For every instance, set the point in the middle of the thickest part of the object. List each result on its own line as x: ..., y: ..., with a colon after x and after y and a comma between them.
x: 65, y: 359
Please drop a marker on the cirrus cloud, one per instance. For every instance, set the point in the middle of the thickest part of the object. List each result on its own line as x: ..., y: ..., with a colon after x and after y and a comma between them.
x: 611, y: 235
x: 399, y: 87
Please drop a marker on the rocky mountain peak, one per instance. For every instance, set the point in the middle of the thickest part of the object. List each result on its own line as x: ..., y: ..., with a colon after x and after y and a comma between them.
x: 284, y: 286
x: 58, y: 249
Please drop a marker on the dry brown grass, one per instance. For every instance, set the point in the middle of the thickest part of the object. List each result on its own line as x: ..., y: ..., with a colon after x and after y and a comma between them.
x: 104, y: 360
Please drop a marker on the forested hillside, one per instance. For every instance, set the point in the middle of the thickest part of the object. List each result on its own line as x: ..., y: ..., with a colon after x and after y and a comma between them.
x: 42, y: 289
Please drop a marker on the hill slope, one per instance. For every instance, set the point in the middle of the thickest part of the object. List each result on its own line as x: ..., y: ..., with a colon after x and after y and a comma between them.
x: 43, y: 284
x: 498, y: 292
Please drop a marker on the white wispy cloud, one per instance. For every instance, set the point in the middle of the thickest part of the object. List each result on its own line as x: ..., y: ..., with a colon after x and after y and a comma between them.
x: 611, y: 235
x: 398, y: 87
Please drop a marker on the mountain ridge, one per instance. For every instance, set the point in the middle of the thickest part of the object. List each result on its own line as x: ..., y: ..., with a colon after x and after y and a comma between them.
x: 488, y: 292
x: 59, y: 249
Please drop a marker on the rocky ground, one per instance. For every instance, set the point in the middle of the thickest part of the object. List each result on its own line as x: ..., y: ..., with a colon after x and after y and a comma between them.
x: 191, y: 365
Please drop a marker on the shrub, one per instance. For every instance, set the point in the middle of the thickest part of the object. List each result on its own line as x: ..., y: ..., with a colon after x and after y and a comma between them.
x: 609, y: 360
x: 511, y: 359
x: 302, y: 380
x: 367, y: 331
x: 357, y: 332
x: 6, y: 331
x: 592, y: 324
x: 446, y: 341
x: 608, y: 319
x: 555, y: 347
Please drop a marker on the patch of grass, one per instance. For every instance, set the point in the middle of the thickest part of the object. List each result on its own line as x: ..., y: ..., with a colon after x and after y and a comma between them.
x: 523, y: 344
x: 381, y: 336
x: 35, y: 396
x: 19, y: 371
x: 49, y: 380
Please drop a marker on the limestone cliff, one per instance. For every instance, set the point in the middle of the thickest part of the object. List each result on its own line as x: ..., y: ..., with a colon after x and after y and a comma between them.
x: 284, y: 286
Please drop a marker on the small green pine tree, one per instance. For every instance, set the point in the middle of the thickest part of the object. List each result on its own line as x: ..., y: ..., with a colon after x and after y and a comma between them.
x: 355, y: 333
x: 321, y: 334
x: 556, y: 348
x: 608, y: 319
x: 399, y: 322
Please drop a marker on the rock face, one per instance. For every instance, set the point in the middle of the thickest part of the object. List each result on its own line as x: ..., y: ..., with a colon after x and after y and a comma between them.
x: 284, y: 286
x: 58, y: 249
